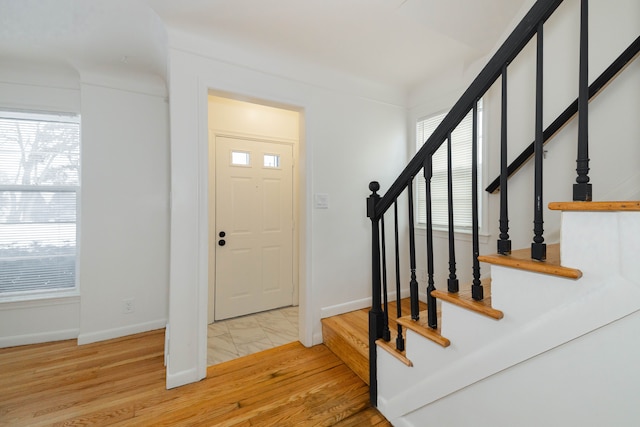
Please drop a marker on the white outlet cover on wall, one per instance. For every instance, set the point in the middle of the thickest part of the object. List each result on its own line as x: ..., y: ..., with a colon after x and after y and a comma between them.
x: 321, y: 201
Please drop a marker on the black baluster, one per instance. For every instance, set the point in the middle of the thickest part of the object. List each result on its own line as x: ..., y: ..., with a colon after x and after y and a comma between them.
x: 375, y: 314
x: 432, y: 315
x: 538, y: 248
x: 504, y: 244
x: 399, y: 338
x: 413, y: 284
x: 477, y: 292
x: 386, y: 333
x: 452, y: 282
x: 582, y: 188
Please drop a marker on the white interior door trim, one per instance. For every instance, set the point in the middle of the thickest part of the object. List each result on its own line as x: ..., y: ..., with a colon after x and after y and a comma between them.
x: 188, y: 283
x: 302, y: 202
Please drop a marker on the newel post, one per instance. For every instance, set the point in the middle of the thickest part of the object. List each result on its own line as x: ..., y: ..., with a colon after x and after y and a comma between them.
x: 376, y: 316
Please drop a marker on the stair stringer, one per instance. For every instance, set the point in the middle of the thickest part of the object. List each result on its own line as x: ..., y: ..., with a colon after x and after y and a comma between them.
x: 541, y: 313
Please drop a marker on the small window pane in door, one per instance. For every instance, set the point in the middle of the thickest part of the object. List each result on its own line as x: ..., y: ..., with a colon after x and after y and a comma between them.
x: 240, y: 158
x: 271, y: 161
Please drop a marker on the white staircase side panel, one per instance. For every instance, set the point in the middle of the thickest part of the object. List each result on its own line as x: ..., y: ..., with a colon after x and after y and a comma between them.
x: 589, y: 381
x: 591, y: 242
x: 482, y: 347
x: 629, y: 224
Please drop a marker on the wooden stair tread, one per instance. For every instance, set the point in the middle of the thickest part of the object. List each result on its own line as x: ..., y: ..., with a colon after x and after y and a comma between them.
x: 350, y: 328
x: 464, y: 299
x: 596, y: 206
x: 391, y: 349
x: 348, y: 339
x: 347, y: 336
x: 421, y: 327
x: 521, y: 259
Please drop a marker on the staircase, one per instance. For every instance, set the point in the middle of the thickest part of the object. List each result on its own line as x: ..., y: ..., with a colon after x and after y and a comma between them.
x: 586, y: 291
x: 551, y: 313
x: 543, y: 337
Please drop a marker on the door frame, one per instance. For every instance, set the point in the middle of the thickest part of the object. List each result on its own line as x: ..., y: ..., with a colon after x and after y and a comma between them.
x: 192, y: 77
x: 212, y: 252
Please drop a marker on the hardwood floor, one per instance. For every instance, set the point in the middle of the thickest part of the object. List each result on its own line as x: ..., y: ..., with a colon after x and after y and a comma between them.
x: 122, y: 382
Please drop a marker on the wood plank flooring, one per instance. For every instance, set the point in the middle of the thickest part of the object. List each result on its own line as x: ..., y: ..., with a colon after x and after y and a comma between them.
x: 122, y: 382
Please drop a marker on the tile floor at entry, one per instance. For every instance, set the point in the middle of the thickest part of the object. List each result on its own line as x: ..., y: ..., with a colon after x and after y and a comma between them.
x: 240, y: 336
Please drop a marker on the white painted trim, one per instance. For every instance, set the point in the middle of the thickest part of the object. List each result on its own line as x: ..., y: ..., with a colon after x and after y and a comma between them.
x: 345, y: 307
x: 317, y: 338
x: 252, y: 136
x: 334, y: 310
x: 202, y: 308
x: 48, y: 301
x: 121, y: 332
x: 182, y: 378
x: 37, y: 338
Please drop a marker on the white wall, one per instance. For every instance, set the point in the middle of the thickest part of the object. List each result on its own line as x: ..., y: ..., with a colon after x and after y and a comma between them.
x: 45, y: 87
x: 348, y: 140
x: 125, y: 212
x: 123, y: 240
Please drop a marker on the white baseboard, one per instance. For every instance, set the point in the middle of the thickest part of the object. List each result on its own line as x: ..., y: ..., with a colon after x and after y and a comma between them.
x: 13, y: 341
x: 346, y: 307
x: 182, y: 378
x: 317, y: 338
x: 121, y: 332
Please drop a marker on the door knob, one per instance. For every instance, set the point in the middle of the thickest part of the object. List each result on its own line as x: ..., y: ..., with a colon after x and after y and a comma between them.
x: 222, y: 234
x: 221, y: 242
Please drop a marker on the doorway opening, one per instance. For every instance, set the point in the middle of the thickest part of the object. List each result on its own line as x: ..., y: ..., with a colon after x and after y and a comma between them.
x: 253, y: 235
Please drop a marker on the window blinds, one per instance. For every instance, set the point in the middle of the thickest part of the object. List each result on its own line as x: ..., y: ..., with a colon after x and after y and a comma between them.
x: 39, y: 183
x: 461, y: 153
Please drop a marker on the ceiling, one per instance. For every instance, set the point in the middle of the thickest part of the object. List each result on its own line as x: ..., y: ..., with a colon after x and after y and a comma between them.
x: 392, y: 42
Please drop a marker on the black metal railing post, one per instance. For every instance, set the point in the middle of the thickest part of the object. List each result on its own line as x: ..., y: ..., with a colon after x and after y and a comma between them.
x: 386, y: 333
x: 504, y: 244
x: 582, y: 189
x: 432, y: 315
x: 453, y: 284
x: 538, y: 247
x: 452, y: 281
x: 399, y: 337
x: 477, y: 292
x: 413, y: 284
x: 376, y: 317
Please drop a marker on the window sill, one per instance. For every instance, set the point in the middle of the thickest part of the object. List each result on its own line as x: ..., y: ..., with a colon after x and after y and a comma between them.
x: 39, y: 299
x: 463, y: 235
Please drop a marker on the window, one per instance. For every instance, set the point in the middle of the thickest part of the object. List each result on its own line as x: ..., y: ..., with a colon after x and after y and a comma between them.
x: 461, y: 163
x: 240, y: 158
x: 39, y: 187
x: 271, y: 161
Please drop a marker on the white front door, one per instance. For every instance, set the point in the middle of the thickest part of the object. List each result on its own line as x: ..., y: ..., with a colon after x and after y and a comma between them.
x: 254, y: 226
